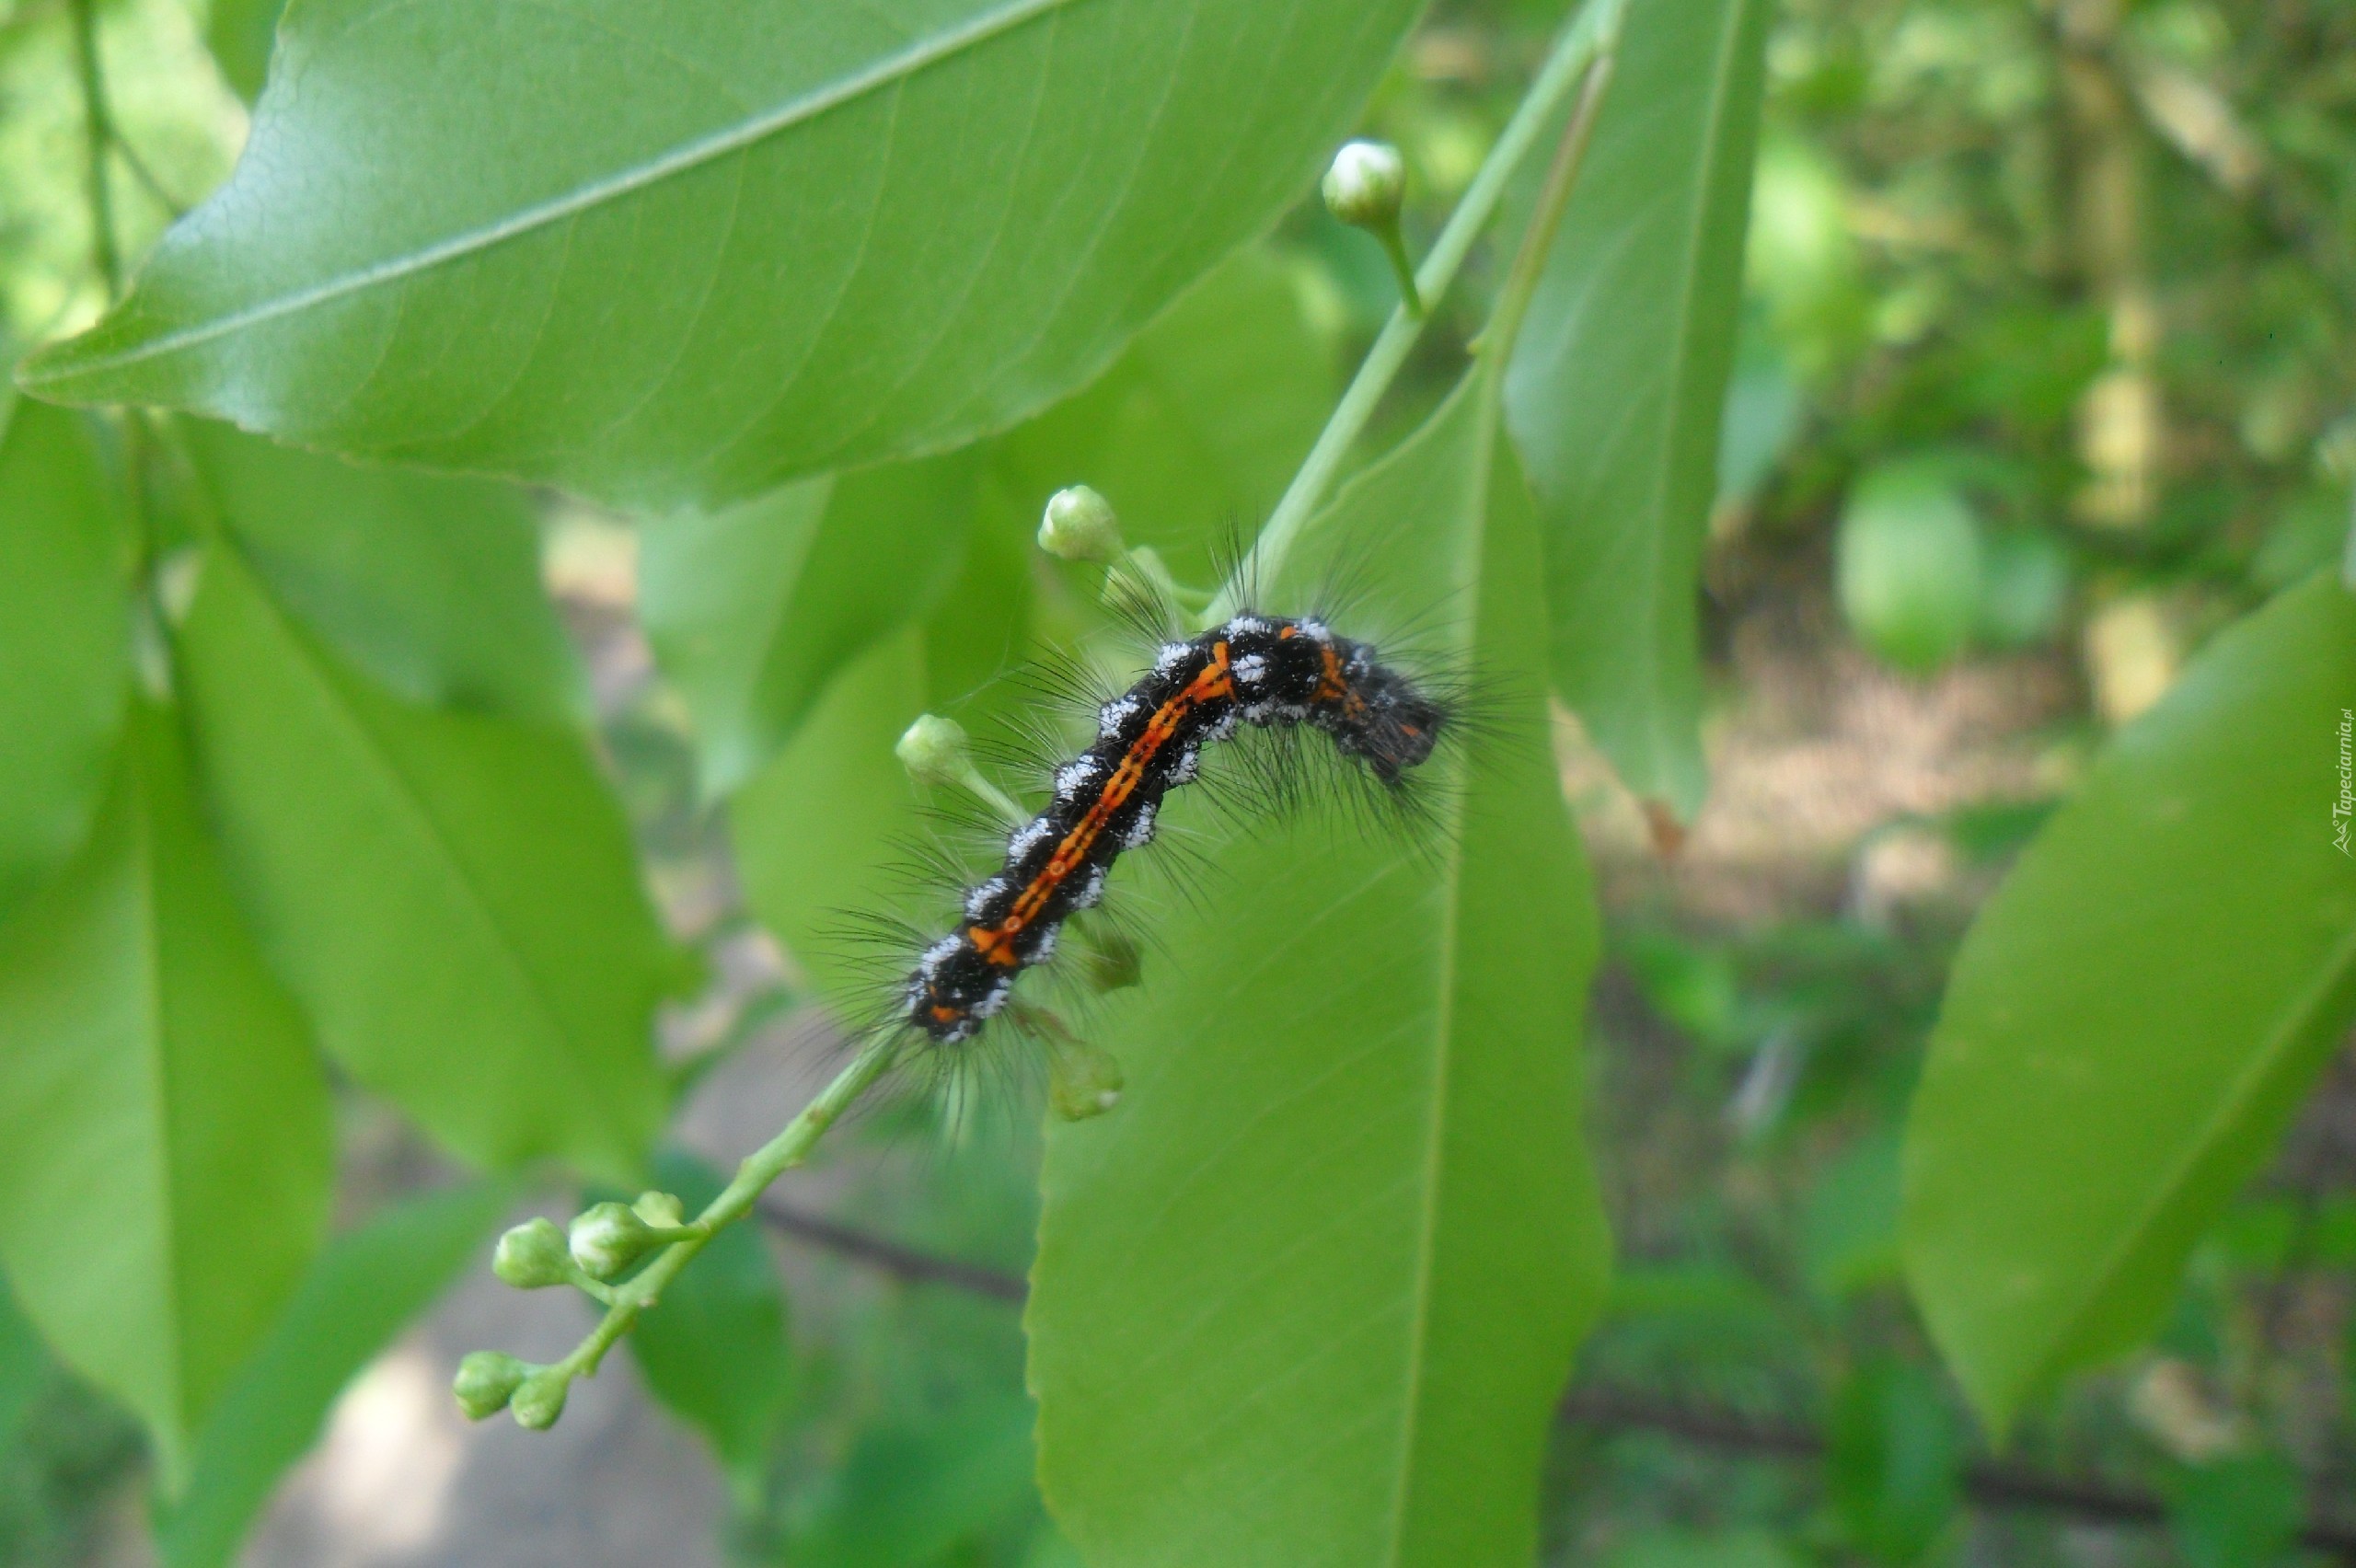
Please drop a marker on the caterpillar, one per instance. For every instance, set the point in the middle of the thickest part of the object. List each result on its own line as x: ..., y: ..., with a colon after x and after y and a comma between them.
x: 1270, y: 672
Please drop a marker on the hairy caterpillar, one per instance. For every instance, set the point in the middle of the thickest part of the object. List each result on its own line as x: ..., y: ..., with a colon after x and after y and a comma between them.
x: 1265, y: 671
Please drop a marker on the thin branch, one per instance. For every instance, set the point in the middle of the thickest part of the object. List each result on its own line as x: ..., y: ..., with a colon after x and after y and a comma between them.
x: 1990, y: 1483
x: 904, y: 1264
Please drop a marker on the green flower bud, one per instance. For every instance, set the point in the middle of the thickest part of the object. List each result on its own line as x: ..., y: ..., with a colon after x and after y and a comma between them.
x: 532, y: 1256
x: 1364, y: 186
x: 661, y: 1210
x: 1080, y: 526
x: 933, y: 750
x: 540, y: 1399
x: 1083, y: 1080
x: 485, y: 1381
x: 608, y: 1237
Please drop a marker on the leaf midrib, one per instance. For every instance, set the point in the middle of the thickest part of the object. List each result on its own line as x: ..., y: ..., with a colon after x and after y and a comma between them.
x: 888, y: 71
x: 404, y: 790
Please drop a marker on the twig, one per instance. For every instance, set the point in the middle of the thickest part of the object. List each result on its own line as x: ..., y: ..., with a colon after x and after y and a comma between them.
x: 890, y: 1257
x: 1992, y: 1484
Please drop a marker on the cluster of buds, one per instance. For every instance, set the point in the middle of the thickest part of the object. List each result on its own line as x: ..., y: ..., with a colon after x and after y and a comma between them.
x: 601, y: 1243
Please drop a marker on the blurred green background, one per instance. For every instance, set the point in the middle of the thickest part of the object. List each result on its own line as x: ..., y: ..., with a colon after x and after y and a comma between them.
x: 2045, y: 373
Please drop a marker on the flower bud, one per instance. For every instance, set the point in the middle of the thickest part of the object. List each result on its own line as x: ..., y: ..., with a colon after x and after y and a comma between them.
x: 532, y: 1256
x: 540, y: 1398
x: 661, y: 1210
x: 1364, y: 186
x: 1080, y: 526
x: 933, y: 750
x: 487, y: 1379
x: 1083, y: 1079
x: 608, y: 1238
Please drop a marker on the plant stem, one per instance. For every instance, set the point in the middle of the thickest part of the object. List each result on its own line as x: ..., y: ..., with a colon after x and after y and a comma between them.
x: 1554, y: 201
x: 760, y: 1167
x: 1589, y: 38
x: 99, y: 130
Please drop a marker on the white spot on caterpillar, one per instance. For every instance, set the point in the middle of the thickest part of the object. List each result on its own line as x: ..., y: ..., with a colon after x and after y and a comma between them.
x: 1091, y: 891
x: 1221, y: 728
x: 1250, y: 670
x: 1316, y: 632
x: 1185, y: 764
x: 1114, y: 715
x: 1027, y: 837
x: 1170, y: 656
x: 1075, y: 775
x: 979, y: 899
x: 1245, y: 625
x: 1140, y: 832
x: 994, y: 1001
x: 936, y: 955
x: 1042, y: 947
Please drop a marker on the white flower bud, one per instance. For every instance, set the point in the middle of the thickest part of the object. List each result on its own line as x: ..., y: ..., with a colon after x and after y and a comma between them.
x: 1364, y: 186
x: 1080, y: 526
x: 933, y: 751
x: 608, y: 1238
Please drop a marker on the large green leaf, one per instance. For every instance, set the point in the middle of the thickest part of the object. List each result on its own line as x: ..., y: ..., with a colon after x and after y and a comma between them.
x: 164, y: 1137
x: 2139, y: 1009
x: 453, y: 895
x: 65, y: 638
x: 1309, y: 1295
x: 363, y: 1291
x: 753, y: 608
x: 1618, y: 383
x: 714, y: 1351
x: 678, y: 252
x: 431, y: 584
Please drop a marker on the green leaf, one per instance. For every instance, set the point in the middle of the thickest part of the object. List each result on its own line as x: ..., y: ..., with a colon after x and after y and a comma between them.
x: 754, y: 608
x: 912, y: 1493
x: 24, y: 1366
x: 2138, y: 1012
x: 65, y: 638
x: 1666, y: 1548
x: 453, y: 895
x: 363, y: 1291
x: 1309, y: 1295
x: 1894, y: 1472
x: 240, y: 33
x: 714, y: 1351
x: 677, y: 253
x: 164, y: 1137
x: 1618, y: 385
x: 2240, y: 1512
x: 1909, y: 564
x: 429, y: 584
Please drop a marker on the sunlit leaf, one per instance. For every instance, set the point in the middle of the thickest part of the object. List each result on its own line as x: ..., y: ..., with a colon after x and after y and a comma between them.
x: 164, y: 1137
x: 2139, y: 1009
x: 1310, y: 1294
x: 431, y: 584
x: 1618, y: 385
x: 679, y: 252
x: 453, y: 895
x: 65, y: 638
x: 362, y: 1292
